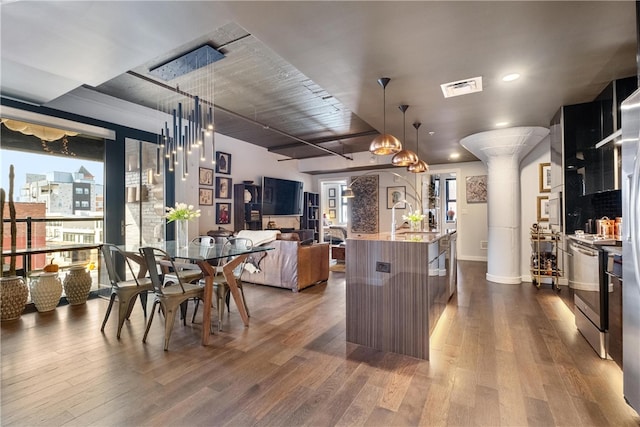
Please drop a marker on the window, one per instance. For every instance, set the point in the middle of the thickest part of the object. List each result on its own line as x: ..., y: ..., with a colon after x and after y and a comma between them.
x: 77, y: 203
x: 343, y: 206
x: 450, y: 194
x: 79, y: 191
x: 85, y: 203
x: 86, y: 191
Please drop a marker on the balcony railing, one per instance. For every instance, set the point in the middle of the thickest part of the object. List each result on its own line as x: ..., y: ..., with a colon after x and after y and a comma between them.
x: 49, y: 232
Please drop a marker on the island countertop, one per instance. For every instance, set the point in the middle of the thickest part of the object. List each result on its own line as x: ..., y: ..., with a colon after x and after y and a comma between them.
x: 403, y: 235
x: 396, y: 289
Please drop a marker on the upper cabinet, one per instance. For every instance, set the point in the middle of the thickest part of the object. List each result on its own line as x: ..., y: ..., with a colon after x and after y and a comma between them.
x: 590, y: 140
x: 585, y: 150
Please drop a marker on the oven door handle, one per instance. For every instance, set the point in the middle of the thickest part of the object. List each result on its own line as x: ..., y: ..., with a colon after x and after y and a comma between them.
x: 584, y: 251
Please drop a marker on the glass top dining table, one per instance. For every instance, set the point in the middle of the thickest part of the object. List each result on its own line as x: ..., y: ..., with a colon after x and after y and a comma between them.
x: 207, y: 258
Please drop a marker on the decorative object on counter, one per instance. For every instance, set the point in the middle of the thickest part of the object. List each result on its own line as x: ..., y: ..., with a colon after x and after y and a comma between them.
x: 543, y: 208
x: 77, y: 285
x: 181, y: 214
x: 14, y: 292
x: 618, y: 227
x: 605, y: 226
x: 544, y: 177
x: 247, y: 196
x: 46, y: 290
x: 477, y: 189
x: 415, y: 220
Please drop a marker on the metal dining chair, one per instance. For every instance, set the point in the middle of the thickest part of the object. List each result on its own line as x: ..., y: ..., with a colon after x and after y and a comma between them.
x: 169, y: 298
x: 125, y: 290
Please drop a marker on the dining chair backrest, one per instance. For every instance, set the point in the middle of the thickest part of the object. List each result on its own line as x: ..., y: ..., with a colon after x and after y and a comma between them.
x: 231, y: 246
x: 204, y: 240
x: 155, y: 259
x: 113, y: 255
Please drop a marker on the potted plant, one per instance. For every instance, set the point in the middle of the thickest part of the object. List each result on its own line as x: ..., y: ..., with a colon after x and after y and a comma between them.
x: 13, y: 289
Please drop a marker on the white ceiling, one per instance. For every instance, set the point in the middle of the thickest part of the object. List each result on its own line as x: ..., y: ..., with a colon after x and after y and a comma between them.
x: 566, y: 53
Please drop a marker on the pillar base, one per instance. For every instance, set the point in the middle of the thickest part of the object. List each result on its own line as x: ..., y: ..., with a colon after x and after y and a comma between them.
x: 503, y: 280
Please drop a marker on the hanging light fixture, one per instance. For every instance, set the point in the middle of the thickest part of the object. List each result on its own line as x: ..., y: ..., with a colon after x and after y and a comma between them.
x: 404, y: 157
x: 420, y: 166
x: 192, y: 118
x: 384, y: 144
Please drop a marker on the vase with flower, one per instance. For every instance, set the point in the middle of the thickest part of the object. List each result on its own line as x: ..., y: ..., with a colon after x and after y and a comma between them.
x: 181, y: 214
x: 415, y: 220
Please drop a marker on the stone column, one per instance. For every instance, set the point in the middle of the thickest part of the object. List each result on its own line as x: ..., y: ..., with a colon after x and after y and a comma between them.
x: 502, y: 150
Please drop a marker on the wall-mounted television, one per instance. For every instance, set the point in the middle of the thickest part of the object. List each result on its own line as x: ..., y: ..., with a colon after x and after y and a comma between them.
x: 281, y: 196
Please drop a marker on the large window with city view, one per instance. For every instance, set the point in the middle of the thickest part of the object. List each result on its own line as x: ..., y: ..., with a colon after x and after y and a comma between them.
x: 58, y: 191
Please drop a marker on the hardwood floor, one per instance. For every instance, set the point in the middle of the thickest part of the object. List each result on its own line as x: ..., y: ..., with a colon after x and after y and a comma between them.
x: 501, y: 355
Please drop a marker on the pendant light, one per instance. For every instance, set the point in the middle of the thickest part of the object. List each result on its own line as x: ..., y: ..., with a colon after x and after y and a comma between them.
x: 404, y: 157
x: 384, y: 144
x: 421, y: 166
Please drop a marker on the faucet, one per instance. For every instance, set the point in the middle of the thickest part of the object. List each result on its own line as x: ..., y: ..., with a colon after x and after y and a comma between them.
x: 393, y: 216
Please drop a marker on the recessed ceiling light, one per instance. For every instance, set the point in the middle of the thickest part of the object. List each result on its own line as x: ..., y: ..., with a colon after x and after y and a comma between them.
x: 511, y: 77
x: 501, y: 124
x: 454, y: 155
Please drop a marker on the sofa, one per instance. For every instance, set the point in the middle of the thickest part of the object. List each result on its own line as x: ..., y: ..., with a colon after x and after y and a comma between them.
x: 290, y: 264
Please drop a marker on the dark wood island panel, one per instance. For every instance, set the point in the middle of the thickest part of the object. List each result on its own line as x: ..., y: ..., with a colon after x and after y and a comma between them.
x: 396, y: 291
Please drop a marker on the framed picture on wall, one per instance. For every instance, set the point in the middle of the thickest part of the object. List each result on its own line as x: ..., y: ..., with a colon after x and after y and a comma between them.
x: 477, y: 189
x: 206, y: 176
x: 395, y: 195
x: 223, y: 163
x: 223, y: 188
x: 332, y: 213
x: 332, y: 203
x: 332, y: 192
x: 223, y: 213
x: 206, y: 196
x: 543, y: 208
x: 544, y: 177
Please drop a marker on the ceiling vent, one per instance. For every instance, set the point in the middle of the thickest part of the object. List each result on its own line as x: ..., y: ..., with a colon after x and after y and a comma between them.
x: 462, y: 87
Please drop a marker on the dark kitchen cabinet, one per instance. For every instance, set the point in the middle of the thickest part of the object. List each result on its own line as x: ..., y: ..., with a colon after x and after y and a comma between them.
x: 590, y: 160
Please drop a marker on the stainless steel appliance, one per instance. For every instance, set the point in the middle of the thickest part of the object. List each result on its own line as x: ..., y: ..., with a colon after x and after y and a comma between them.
x: 631, y: 249
x: 590, y: 293
x: 614, y: 307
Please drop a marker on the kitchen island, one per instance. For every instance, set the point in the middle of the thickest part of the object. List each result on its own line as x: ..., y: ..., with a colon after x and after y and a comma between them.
x: 397, y: 288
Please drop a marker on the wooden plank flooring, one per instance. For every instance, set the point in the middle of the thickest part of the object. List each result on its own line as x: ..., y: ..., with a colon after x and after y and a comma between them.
x: 501, y: 355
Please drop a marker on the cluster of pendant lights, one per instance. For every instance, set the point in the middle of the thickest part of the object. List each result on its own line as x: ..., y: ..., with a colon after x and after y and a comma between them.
x: 386, y: 144
x: 177, y: 141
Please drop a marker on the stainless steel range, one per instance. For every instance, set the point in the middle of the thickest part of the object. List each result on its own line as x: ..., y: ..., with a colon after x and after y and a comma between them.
x: 591, y: 289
